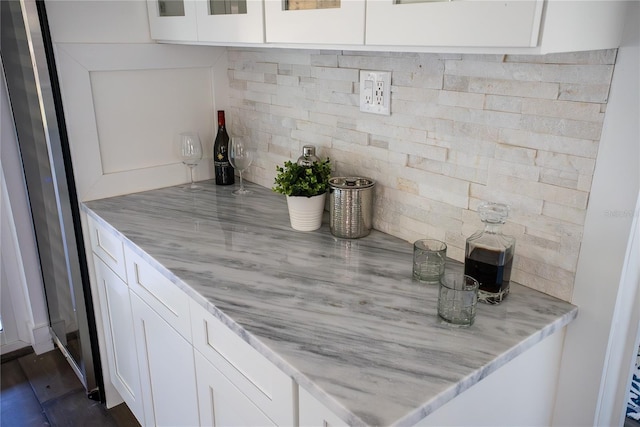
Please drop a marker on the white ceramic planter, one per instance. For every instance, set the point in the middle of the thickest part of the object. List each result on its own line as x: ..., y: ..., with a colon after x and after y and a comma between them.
x: 305, y: 213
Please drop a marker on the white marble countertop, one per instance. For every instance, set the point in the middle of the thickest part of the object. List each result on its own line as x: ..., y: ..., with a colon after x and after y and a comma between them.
x: 342, y: 317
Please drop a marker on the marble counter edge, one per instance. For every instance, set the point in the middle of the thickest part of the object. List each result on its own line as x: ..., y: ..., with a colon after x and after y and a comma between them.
x: 303, y: 381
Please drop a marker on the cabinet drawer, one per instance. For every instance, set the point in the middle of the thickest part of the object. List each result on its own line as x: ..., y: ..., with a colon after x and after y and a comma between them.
x: 314, y: 413
x: 169, y: 301
x: 270, y: 389
x: 106, y: 243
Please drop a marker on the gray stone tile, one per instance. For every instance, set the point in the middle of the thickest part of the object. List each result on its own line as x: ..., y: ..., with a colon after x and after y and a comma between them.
x: 76, y: 409
x: 19, y: 406
x: 54, y: 397
x: 50, y: 375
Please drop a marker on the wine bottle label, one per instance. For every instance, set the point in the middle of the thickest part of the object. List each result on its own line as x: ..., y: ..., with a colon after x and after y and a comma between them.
x: 224, y: 173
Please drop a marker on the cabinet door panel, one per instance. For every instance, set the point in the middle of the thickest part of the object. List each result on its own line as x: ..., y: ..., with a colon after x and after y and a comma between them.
x: 333, y: 25
x: 121, y: 344
x: 167, y: 370
x: 242, y: 25
x: 484, y: 23
x: 172, y: 20
x: 221, y: 402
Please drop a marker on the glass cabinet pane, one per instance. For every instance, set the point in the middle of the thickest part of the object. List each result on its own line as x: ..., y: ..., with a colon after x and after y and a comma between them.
x: 316, y: 21
x: 310, y: 4
x: 171, y: 7
x: 227, y: 7
x: 417, y: 1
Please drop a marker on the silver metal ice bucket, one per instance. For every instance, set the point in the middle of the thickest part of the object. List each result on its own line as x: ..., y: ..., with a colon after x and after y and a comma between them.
x: 351, y: 206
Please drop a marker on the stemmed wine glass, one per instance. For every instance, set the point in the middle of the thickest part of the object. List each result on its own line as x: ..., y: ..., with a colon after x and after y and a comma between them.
x: 191, y: 154
x: 241, y: 154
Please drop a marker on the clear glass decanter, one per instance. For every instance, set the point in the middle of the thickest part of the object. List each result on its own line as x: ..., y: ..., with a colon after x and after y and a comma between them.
x: 489, y: 254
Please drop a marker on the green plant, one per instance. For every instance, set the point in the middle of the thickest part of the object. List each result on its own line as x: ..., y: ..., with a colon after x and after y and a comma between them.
x: 296, y: 180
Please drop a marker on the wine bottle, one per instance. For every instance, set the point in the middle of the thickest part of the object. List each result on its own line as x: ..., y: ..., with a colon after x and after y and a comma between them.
x: 223, y: 170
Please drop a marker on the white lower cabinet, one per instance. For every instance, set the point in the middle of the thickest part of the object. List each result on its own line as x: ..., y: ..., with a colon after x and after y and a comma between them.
x: 118, y: 328
x: 173, y: 362
x: 167, y: 369
x: 258, y: 383
x: 221, y: 402
x: 315, y: 414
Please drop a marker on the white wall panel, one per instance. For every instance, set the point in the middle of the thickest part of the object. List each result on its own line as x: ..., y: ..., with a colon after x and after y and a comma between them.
x: 124, y: 104
x: 139, y: 114
x: 603, y: 252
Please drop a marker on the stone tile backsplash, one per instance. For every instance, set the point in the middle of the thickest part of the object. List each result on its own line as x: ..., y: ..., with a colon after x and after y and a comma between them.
x: 522, y: 130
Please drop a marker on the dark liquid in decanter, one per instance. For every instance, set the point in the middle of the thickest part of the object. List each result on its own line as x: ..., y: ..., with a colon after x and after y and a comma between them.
x: 492, y: 269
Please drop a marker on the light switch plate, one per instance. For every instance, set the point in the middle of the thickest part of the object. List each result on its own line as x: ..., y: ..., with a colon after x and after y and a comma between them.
x: 375, y: 92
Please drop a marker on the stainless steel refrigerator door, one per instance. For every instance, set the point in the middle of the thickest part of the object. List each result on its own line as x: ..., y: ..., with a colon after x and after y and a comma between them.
x: 35, y: 101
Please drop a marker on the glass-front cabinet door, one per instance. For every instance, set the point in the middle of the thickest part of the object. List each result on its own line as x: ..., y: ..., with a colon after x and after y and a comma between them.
x: 230, y: 21
x: 172, y: 19
x: 315, y: 21
x: 455, y: 23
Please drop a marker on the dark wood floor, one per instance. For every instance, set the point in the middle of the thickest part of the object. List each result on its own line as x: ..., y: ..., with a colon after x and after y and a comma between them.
x: 44, y: 391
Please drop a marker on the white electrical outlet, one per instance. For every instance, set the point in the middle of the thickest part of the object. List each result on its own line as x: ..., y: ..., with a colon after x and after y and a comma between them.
x: 375, y: 92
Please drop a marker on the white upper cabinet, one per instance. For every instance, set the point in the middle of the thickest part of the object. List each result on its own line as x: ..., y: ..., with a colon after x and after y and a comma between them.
x: 470, y: 26
x: 214, y: 21
x: 315, y: 21
x: 582, y: 25
x: 519, y: 26
x: 172, y: 20
x: 233, y: 21
x: 482, y: 23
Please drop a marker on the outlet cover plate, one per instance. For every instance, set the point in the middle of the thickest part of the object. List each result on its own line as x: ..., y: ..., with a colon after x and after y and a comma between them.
x: 375, y: 92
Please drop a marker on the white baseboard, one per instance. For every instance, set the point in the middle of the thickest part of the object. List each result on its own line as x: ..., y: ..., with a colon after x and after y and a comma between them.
x: 13, y: 346
x: 41, y: 339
